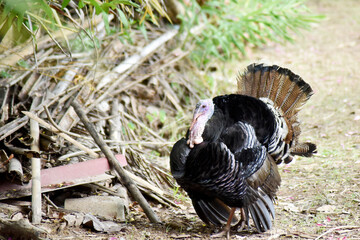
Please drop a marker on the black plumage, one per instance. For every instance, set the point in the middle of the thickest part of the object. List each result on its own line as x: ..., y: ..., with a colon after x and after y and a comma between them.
x: 229, y: 157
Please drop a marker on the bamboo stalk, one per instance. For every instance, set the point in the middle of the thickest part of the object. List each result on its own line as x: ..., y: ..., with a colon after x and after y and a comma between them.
x: 78, y: 153
x: 35, y: 169
x: 124, y: 178
x: 115, y: 123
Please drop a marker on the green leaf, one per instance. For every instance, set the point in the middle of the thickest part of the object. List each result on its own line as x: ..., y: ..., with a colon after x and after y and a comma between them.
x: 235, y: 23
x: 131, y: 125
x: 162, y: 116
x: 23, y: 63
x: 123, y: 18
x: 4, y: 74
x: 98, y: 8
x: 105, y: 18
x: 81, y: 4
x: 143, y: 31
x: 149, y: 117
x: 64, y: 3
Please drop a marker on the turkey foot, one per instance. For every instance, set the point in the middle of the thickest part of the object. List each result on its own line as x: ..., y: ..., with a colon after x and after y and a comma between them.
x: 223, y: 233
x: 241, y: 224
x: 226, y: 229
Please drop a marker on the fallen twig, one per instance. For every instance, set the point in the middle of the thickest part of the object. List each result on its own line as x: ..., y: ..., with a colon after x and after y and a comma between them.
x: 336, y: 228
x: 50, y: 202
x: 125, y: 179
x: 122, y: 143
x: 63, y: 135
x: 32, y: 69
x: 12, y: 127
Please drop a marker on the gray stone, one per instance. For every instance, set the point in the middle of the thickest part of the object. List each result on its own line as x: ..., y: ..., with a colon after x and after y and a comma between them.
x: 105, y: 206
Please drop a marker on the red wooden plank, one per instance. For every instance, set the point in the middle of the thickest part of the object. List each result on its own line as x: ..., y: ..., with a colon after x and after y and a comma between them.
x: 63, y: 176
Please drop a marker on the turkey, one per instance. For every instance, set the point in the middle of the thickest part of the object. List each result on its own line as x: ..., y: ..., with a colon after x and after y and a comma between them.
x: 229, y: 157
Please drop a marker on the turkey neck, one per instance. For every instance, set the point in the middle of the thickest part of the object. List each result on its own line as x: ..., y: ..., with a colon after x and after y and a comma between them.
x: 214, y: 126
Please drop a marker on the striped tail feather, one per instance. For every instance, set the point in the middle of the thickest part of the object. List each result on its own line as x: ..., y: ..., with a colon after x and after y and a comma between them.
x: 287, y: 91
x: 262, y: 212
x: 304, y: 149
x: 213, y: 210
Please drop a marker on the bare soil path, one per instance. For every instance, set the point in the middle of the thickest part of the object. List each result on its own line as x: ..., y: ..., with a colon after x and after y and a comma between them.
x: 320, y: 196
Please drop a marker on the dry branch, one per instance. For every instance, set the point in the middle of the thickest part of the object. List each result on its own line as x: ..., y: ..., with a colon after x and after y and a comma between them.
x: 33, y: 68
x: 63, y: 135
x: 18, y: 123
x: 123, y: 70
x: 12, y: 127
x: 125, y: 179
x: 335, y: 229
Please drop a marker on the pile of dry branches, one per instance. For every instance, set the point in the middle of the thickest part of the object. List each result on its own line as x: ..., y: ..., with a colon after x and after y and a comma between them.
x: 132, y: 93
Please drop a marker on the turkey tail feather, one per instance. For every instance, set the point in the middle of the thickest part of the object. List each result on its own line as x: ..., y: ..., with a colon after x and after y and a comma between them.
x: 287, y: 91
x: 213, y: 211
x: 262, y: 213
x: 260, y: 195
x: 304, y: 149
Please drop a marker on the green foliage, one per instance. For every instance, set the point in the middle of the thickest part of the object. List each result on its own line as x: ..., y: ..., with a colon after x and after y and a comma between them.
x: 131, y: 125
x: 84, y: 43
x: 4, y: 74
x: 23, y: 64
x: 34, y: 14
x: 180, y: 198
x: 233, y: 24
x: 17, y: 9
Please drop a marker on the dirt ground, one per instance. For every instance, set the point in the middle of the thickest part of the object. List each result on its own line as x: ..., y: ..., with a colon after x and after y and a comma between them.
x: 319, y: 196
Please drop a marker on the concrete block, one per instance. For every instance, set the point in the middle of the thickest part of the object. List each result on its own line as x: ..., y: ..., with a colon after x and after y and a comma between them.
x: 105, y: 206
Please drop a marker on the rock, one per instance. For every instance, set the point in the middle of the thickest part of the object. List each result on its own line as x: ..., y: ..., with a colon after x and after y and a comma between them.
x: 290, y: 207
x: 105, y: 206
x: 75, y: 219
x: 101, y: 226
x: 326, y: 209
x: 122, y: 191
x: 17, y: 216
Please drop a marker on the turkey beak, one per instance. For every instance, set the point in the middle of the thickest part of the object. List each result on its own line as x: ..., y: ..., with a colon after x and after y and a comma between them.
x: 195, y: 118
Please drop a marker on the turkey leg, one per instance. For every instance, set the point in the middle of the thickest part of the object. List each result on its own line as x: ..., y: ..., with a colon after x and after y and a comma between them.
x: 226, y: 229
